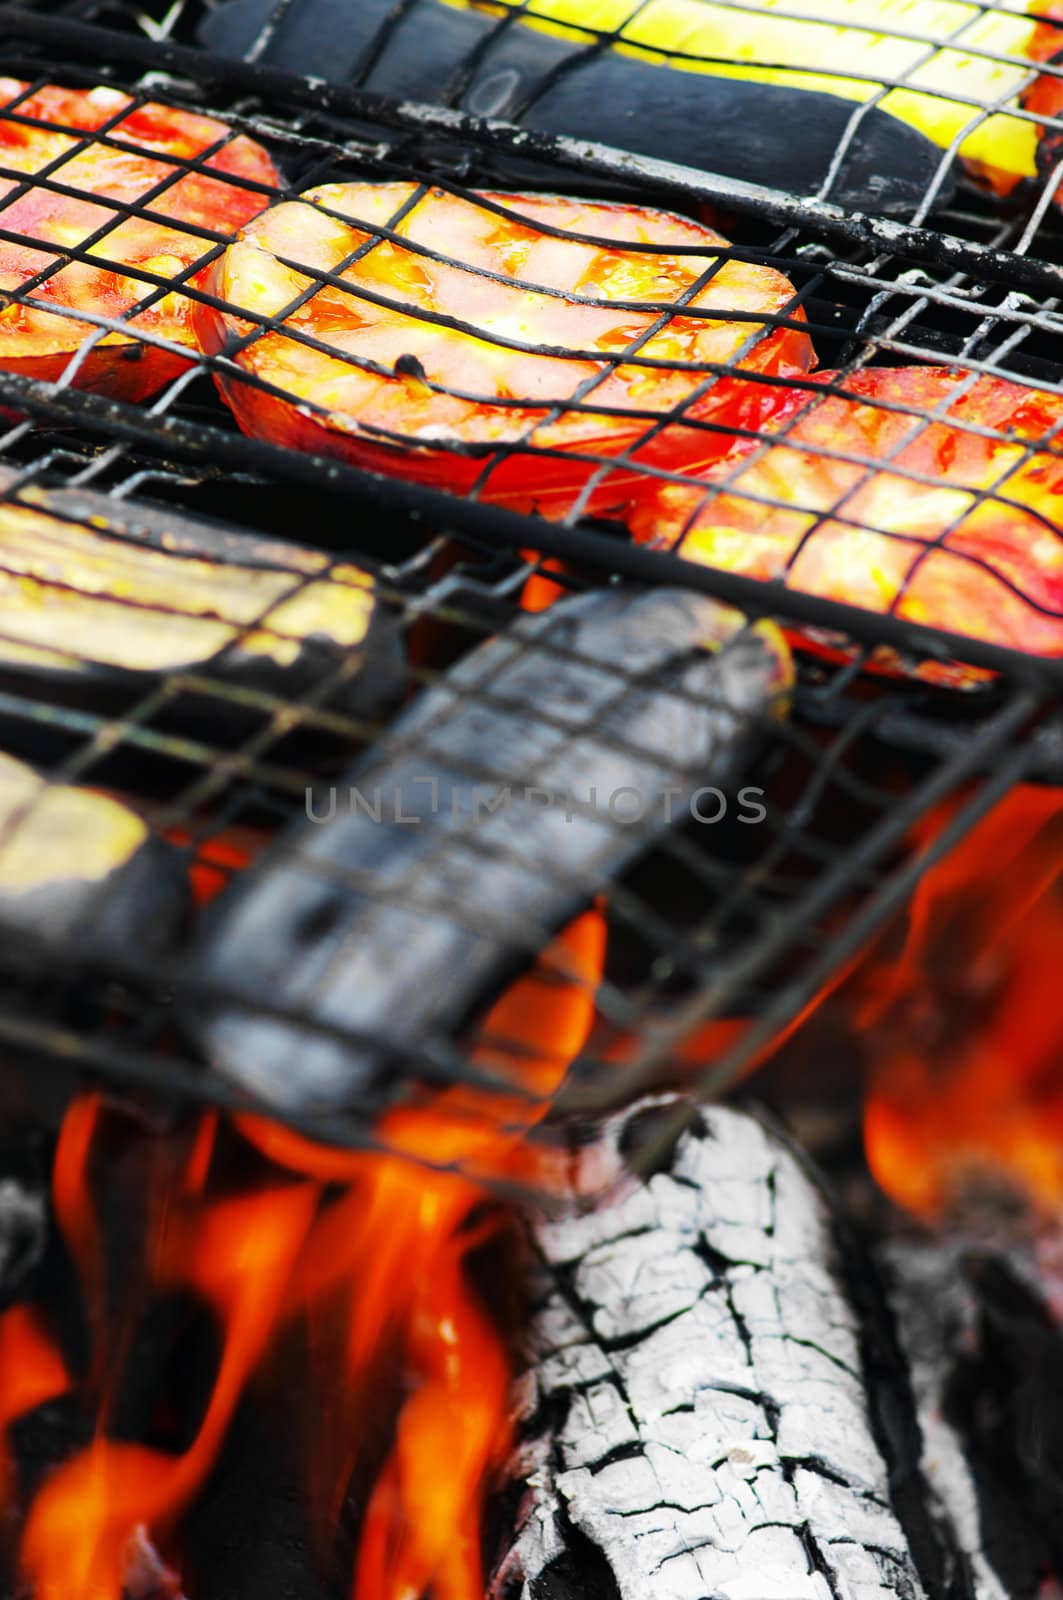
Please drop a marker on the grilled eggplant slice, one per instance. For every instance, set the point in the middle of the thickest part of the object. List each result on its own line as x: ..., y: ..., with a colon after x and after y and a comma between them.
x: 484, y: 822
x: 931, y: 63
x: 100, y: 599
x: 77, y: 865
x: 780, y: 129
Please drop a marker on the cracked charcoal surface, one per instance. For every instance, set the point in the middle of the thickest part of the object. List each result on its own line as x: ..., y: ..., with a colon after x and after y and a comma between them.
x: 23, y: 1223
x: 694, y: 1405
x: 989, y: 1411
x: 934, y: 1308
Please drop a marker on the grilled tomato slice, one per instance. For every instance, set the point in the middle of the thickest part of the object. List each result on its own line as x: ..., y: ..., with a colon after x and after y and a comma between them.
x: 489, y: 342
x: 962, y: 529
x: 47, y: 135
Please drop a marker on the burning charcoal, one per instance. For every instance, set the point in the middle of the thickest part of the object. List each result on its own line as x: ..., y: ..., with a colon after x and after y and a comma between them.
x: 498, y: 806
x: 985, y: 1354
x: 23, y: 1223
x: 79, y: 865
x: 702, y: 1413
x: 100, y: 598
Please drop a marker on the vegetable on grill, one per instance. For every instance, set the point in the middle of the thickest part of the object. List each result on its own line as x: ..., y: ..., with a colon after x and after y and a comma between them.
x: 130, y: 158
x: 499, y: 805
x: 479, y: 345
x: 100, y: 598
x: 802, y: 140
x: 955, y: 522
x: 77, y: 865
x: 934, y: 64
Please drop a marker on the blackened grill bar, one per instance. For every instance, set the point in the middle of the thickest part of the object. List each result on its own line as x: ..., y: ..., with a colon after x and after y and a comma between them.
x: 785, y: 931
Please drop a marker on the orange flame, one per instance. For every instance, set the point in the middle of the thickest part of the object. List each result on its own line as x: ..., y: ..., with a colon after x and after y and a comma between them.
x: 217, y: 859
x: 31, y: 1372
x: 391, y: 1252
x: 541, y: 590
x: 964, y: 1026
x: 72, y: 1203
x: 400, y: 1237
x: 239, y: 1255
x: 423, y: 1522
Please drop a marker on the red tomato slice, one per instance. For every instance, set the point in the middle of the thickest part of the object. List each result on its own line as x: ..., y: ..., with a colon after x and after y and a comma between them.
x: 443, y: 400
x: 39, y: 343
x: 934, y: 552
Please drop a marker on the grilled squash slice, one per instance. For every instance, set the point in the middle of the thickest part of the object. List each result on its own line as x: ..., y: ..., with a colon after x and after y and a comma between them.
x: 77, y: 865
x: 100, y: 599
x: 540, y: 65
x: 935, y: 64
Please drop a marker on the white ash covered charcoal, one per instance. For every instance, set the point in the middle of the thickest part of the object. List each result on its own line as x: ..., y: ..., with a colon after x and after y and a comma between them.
x: 23, y: 1225
x: 705, y: 1416
x: 985, y: 1350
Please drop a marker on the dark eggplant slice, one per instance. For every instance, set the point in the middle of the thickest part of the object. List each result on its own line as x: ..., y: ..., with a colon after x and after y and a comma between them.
x: 764, y: 133
x: 100, y: 599
x: 490, y: 815
x: 78, y: 865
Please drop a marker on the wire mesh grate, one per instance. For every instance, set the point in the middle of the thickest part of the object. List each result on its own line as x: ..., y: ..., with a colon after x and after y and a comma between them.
x: 722, y: 924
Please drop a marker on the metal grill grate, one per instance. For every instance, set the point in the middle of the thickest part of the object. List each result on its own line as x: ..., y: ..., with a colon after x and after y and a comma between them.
x: 717, y: 922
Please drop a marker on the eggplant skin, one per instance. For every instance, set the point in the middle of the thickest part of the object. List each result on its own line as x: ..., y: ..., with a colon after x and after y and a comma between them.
x: 761, y: 133
x: 80, y: 867
x: 99, y: 599
x: 387, y: 926
x: 766, y: 133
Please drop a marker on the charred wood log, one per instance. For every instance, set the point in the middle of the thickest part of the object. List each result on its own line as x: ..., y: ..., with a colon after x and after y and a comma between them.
x: 700, y: 1416
x: 480, y: 825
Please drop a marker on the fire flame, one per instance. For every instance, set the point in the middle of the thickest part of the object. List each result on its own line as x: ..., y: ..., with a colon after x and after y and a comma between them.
x: 370, y: 1241
x: 375, y: 1252
x: 239, y: 1255
x: 963, y: 1024
x: 31, y: 1373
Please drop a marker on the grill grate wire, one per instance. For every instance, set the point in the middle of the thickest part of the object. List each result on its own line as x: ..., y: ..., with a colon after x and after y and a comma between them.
x: 743, y: 927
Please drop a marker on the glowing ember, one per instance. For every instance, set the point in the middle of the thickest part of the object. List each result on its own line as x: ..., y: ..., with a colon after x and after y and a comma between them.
x: 384, y: 1253
x: 216, y: 859
x: 541, y: 590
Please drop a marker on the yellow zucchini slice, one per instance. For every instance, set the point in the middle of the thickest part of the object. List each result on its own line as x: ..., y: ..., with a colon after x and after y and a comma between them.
x: 935, y: 64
